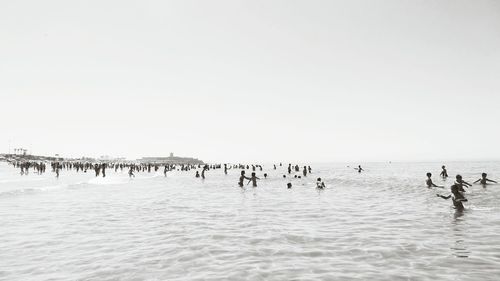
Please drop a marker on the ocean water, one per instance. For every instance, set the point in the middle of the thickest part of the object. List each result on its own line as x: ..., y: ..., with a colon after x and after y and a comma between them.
x: 383, y: 224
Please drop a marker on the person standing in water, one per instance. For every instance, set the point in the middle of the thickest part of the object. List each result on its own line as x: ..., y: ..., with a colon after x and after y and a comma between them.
x: 444, y: 173
x: 461, y: 183
x: 242, y: 178
x: 203, y: 171
x: 304, y: 172
x: 484, y: 179
x: 253, y: 179
x: 165, y: 170
x: 131, y: 172
x: 429, y: 181
x: 103, y: 170
x: 57, y: 170
x: 456, y: 196
x: 96, y: 169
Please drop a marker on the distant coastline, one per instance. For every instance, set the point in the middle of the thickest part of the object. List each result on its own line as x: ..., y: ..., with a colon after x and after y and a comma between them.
x: 152, y: 160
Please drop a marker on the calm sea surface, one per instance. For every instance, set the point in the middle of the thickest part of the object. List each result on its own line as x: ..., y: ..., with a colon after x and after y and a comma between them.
x: 383, y: 224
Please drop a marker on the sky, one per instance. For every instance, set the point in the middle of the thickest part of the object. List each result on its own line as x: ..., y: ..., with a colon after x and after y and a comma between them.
x: 261, y: 81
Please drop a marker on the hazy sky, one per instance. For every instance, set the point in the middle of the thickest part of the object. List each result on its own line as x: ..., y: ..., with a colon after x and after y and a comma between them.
x: 252, y: 80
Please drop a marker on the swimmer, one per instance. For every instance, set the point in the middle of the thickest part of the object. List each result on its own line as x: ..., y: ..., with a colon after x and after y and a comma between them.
x: 197, y: 174
x: 484, y: 180
x: 289, y: 185
x: 320, y: 184
x: 265, y: 175
x: 430, y: 183
x: 359, y: 169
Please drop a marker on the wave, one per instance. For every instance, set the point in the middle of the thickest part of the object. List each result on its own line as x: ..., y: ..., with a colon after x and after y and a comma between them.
x: 93, y: 181
x: 33, y: 190
x: 121, y: 180
x: 23, y: 179
x: 107, y: 180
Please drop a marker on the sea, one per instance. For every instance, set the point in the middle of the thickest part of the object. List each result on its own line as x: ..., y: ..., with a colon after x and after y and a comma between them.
x: 381, y: 224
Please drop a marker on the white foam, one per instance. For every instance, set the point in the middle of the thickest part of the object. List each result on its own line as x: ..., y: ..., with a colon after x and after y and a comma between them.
x: 108, y: 180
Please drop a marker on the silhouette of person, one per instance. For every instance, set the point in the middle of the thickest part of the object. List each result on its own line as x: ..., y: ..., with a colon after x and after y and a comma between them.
x: 242, y: 178
x: 320, y: 184
x: 484, y: 179
x: 444, y: 173
x: 429, y: 181
x: 253, y: 179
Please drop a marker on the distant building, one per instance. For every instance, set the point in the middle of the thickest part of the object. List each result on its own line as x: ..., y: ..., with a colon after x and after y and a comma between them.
x: 107, y: 158
x: 171, y: 160
x: 104, y: 158
x: 20, y: 151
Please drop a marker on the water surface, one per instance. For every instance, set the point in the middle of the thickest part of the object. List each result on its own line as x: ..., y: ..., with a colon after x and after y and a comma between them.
x: 382, y: 224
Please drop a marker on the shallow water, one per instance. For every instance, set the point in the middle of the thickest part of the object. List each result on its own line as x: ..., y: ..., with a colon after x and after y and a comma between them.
x: 382, y: 224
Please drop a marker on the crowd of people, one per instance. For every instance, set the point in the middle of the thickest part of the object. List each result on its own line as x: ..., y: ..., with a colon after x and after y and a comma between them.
x: 457, y: 189
x: 100, y: 168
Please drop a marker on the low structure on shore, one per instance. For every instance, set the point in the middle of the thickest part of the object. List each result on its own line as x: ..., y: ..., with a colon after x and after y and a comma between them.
x: 28, y: 157
x: 171, y: 160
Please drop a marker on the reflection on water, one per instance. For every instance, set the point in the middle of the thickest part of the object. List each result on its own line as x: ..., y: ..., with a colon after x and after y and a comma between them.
x: 460, y: 246
x: 383, y: 224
